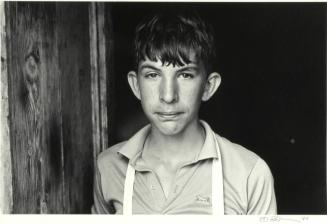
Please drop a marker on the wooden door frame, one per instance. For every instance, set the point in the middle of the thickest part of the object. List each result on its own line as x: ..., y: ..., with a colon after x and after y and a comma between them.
x: 99, y: 81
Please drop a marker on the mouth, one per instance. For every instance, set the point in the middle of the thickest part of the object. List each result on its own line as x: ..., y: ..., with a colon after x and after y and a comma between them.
x: 168, y: 115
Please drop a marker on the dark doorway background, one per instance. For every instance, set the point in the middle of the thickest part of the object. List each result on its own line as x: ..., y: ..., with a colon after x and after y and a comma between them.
x: 272, y: 59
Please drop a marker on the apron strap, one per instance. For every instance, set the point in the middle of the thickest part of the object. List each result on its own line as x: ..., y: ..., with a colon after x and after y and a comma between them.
x: 128, y: 191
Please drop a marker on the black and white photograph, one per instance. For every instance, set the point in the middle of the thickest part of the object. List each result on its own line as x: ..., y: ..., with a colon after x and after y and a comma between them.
x: 163, y: 108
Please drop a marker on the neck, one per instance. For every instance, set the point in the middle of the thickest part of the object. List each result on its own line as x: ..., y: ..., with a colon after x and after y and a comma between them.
x: 176, y: 148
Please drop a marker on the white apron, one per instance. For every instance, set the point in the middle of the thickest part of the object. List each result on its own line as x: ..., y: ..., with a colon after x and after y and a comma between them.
x: 217, y: 186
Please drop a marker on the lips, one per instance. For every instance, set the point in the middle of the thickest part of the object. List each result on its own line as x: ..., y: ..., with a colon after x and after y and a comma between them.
x: 169, y: 115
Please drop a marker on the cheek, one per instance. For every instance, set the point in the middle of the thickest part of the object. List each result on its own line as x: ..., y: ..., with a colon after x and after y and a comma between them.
x: 144, y: 90
x: 148, y: 95
x: 193, y: 94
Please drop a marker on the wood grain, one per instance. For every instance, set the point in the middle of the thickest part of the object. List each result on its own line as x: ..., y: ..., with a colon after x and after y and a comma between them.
x: 96, y: 136
x: 100, y: 56
x: 50, y: 107
x: 102, y: 63
x: 35, y: 108
x: 5, y: 154
x: 74, y: 62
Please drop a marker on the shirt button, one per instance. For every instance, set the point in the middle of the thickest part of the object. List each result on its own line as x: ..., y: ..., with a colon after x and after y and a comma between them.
x: 152, y: 187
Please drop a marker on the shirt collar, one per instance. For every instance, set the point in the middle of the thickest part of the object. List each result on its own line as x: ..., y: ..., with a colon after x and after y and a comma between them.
x: 209, y: 149
x: 132, y: 149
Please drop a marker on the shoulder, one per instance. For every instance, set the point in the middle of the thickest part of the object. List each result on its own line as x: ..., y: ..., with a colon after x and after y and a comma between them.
x: 111, y: 168
x: 248, y: 176
x: 110, y: 159
x: 239, y: 162
x: 237, y: 153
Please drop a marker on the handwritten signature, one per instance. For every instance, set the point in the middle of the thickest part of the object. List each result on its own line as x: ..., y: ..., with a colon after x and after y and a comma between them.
x: 279, y: 219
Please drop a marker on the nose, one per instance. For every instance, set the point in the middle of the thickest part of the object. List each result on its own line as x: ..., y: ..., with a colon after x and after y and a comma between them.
x: 169, y: 91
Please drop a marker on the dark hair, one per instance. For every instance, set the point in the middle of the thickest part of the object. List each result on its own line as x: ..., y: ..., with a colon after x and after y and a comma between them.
x: 171, y: 37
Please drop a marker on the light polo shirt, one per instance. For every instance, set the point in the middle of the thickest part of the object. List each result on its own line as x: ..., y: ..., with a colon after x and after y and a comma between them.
x: 247, y: 181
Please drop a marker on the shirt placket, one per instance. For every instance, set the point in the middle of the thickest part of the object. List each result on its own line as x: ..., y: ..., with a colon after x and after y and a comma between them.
x: 183, y: 176
x: 156, y: 191
x: 176, y: 189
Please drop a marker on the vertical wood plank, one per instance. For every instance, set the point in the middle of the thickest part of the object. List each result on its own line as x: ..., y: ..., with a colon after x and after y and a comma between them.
x: 35, y: 108
x: 99, y: 58
x: 50, y: 107
x: 24, y: 115
x: 74, y: 63
x: 96, y: 137
x: 5, y: 155
x: 51, y: 160
x: 102, y: 63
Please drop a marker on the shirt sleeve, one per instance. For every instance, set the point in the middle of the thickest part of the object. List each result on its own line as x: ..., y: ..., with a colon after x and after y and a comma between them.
x: 100, y: 206
x: 260, y: 189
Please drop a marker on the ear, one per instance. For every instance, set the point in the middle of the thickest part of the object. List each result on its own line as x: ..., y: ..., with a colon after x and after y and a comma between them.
x: 133, y: 83
x: 211, y: 86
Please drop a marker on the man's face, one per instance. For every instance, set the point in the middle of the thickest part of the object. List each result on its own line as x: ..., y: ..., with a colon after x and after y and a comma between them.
x: 170, y: 95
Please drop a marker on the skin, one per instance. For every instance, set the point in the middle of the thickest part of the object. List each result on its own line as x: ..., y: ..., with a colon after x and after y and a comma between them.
x: 171, y: 97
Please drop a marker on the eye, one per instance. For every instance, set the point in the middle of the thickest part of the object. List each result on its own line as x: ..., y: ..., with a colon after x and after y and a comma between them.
x: 185, y: 75
x: 151, y: 75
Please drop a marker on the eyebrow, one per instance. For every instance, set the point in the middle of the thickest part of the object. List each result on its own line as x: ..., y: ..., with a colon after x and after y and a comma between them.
x: 149, y: 67
x: 189, y: 67
x: 186, y: 68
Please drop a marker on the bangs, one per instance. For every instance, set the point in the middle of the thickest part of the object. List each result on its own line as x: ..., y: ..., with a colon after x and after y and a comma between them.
x: 169, y: 51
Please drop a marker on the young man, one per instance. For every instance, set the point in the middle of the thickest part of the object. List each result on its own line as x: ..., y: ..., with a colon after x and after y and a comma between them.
x: 177, y: 164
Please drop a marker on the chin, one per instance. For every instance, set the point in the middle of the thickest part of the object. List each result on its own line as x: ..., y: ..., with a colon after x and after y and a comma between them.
x: 169, y: 128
